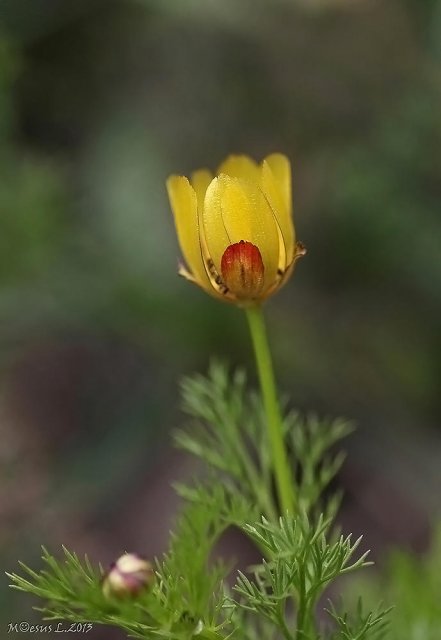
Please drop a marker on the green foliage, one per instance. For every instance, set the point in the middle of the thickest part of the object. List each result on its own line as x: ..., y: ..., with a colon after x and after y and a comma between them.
x: 190, y: 589
x: 312, y: 441
x: 361, y: 626
x: 228, y: 433
x: 301, y: 561
x: 60, y: 581
x: 186, y: 598
x: 301, y: 553
x: 413, y: 584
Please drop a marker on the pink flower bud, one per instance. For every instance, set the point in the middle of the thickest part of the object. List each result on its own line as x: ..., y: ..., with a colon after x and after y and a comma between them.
x: 128, y: 576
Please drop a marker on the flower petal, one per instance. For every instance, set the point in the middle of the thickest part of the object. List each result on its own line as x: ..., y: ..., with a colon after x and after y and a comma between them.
x: 240, y: 166
x: 213, y: 226
x: 273, y: 192
x: 281, y: 168
x: 184, y: 205
x: 237, y: 210
x: 199, y: 181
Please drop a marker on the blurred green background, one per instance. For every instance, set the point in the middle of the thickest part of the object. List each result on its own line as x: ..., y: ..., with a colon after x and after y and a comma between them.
x: 100, y: 101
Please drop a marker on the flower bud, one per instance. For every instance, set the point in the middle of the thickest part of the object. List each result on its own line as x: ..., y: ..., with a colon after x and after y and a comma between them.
x: 242, y: 270
x: 128, y: 576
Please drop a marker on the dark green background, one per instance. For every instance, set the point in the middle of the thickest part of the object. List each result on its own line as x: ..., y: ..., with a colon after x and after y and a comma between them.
x: 99, y: 102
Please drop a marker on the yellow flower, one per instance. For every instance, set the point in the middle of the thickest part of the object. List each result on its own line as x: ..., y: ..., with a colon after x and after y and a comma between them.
x: 235, y: 230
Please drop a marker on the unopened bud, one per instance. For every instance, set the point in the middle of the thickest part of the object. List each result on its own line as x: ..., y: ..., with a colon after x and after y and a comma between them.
x: 242, y: 270
x: 128, y: 576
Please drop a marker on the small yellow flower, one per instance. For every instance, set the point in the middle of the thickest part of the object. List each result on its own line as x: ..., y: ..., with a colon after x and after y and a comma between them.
x: 236, y: 230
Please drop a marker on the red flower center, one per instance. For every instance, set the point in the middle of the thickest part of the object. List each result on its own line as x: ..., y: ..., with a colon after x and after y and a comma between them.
x: 243, y: 270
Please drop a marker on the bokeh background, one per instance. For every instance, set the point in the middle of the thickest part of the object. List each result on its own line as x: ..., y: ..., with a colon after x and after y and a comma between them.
x: 100, y: 101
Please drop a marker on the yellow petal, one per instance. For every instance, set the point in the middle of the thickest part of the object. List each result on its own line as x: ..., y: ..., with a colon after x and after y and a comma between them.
x: 200, y: 181
x: 213, y: 227
x: 240, y: 167
x: 275, y: 197
x: 281, y: 168
x: 237, y: 210
x: 184, y: 205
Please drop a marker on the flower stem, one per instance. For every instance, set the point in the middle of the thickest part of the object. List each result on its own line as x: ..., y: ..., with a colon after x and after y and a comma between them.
x: 282, y: 471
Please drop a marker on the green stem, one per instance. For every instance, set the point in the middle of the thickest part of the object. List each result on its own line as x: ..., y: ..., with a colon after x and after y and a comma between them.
x: 282, y: 621
x: 282, y: 471
x: 305, y: 619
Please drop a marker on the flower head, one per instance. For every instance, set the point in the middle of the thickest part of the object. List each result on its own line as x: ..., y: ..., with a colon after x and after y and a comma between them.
x: 128, y: 576
x: 235, y: 230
